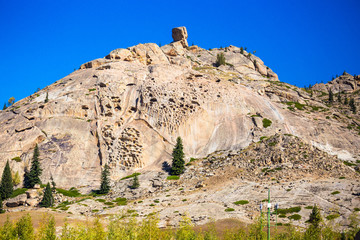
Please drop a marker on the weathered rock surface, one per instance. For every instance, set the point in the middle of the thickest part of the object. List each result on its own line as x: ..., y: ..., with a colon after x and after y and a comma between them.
x: 16, y: 201
x: 180, y: 34
x: 127, y: 109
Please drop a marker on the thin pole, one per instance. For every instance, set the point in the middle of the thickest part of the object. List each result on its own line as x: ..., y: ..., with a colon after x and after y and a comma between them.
x: 268, y: 215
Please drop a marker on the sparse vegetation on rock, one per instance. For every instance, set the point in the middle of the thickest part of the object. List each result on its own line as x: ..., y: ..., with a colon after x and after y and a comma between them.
x: 135, y: 183
x: 220, y: 59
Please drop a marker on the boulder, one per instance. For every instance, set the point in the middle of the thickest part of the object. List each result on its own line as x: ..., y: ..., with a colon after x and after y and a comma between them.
x: 37, y: 186
x: 94, y: 63
x: 120, y: 54
x: 16, y: 201
x: 179, y: 34
x: 32, y: 202
x: 32, y: 193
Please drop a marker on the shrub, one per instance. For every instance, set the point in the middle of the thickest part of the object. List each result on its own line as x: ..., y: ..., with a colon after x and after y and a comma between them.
x: 121, y: 201
x: 72, y: 192
x: 135, y: 183
x: 229, y: 210
x: 100, y: 200
x: 356, y: 209
x: 241, y: 202
x: 341, y: 177
x: 332, y: 216
x: 295, y: 217
x: 105, y: 182
x: 334, y: 193
x: 109, y: 203
x: 173, y: 177
x: 92, y: 89
x: 288, y: 210
x: 220, y: 59
x: 266, y: 122
x: 282, y: 216
x: 131, y: 176
x: 309, y: 207
x: 16, y: 159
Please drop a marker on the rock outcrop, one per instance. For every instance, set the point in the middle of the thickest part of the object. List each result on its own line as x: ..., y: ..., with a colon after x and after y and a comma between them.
x: 128, y: 108
x: 180, y: 34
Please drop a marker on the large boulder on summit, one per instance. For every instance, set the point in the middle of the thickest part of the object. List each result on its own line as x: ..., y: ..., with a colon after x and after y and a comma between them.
x: 180, y: 34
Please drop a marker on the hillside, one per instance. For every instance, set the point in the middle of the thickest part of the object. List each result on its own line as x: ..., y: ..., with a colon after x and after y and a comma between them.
x: 247, y: 130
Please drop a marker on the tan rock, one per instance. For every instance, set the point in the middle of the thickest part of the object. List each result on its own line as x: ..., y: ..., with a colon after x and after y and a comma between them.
x: 32, y: 193
x: 32, y: 202
x: 180, y: 34
x: 17, y: 201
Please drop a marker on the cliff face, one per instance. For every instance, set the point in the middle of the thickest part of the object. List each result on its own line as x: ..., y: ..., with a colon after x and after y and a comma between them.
x: 128, y: 108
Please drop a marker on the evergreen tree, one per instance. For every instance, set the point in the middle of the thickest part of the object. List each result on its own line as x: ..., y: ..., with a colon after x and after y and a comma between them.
x: 331, y: 96
x: 4, y: 107
x: 135, y: 183
x: 7, y: 186
x: 33, y: 177
x: 242, y: 50
x: 220, y: 59
x: 315, y: 217
x: 48, y: 199
x: 105, y: 183
x: 53, y: 184
x: 346, y: 101
x: 178, y: 163
x: 352, y: 105
x: 26, y: 178
x: 47, y: 97
x: 1, y: 206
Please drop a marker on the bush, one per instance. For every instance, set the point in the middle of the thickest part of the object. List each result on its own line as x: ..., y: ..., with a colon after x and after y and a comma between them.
x: 332, y: 216
x: 131, y: 176
x: 288, y: 210
x: 266, y: 122
x: 334, y: 193
x: 16, y: 159
x: 72, y: 192
x: 295, y: 217
x: 241, y: 202
x: 120, y: 201
x: 18, y: 192
x: 220, y: 59
x: 229, y: 210
x: 173, y: 177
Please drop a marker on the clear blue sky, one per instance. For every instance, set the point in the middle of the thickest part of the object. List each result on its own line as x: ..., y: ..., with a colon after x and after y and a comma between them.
x: 304, y: 42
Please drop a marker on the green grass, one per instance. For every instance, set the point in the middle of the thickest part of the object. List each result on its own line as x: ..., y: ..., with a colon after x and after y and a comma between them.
x: 92, y: 89
x: 263, y: 137
x: 356, y: 209
x: 95, y: 210
x: 121, y: 201
x: 282, y: 216
x: 109, y: 203
x: 64, y: 206
x: 156, y: 201
x: 173, y: 177
x: 16, y: 159
x: 184, y: 200
x: 254, y: 116
x: 229, y: 210
x: 295, y: 217
x: 18, y: 192
x: 72, y: 192
x: 332, y: 216
x: 266, y: 122
x: 271, y: 144
x: 309, y: 207
x: 241, y: 202
x: 289, y: 210
x: 131, y: 176
x: 334, y: 193
x: 101, y: 200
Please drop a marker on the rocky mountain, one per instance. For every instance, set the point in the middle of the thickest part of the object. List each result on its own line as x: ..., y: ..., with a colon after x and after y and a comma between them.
x: 237, y: 119
x: 128, y: 108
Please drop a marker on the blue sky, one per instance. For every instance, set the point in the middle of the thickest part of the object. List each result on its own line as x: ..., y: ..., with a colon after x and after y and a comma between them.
x: 304, y: 42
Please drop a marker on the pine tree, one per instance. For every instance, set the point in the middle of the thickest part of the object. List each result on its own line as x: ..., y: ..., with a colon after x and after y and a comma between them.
x: 135, y: 183
x: 4, y: 107
x: 105, y: 186
x: 352, y: 105
x: 7, y: 186
x: 220, y: 59
x: 48, y: 199
x: 242, y: 50
x: 346, y: 101
x: 331, y: 96
x: 33, y: 177
x: 1, y: 206
x: 178, y: 163
x: 53, y: 184
x: 47, y: 97
x: 315, y: 217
